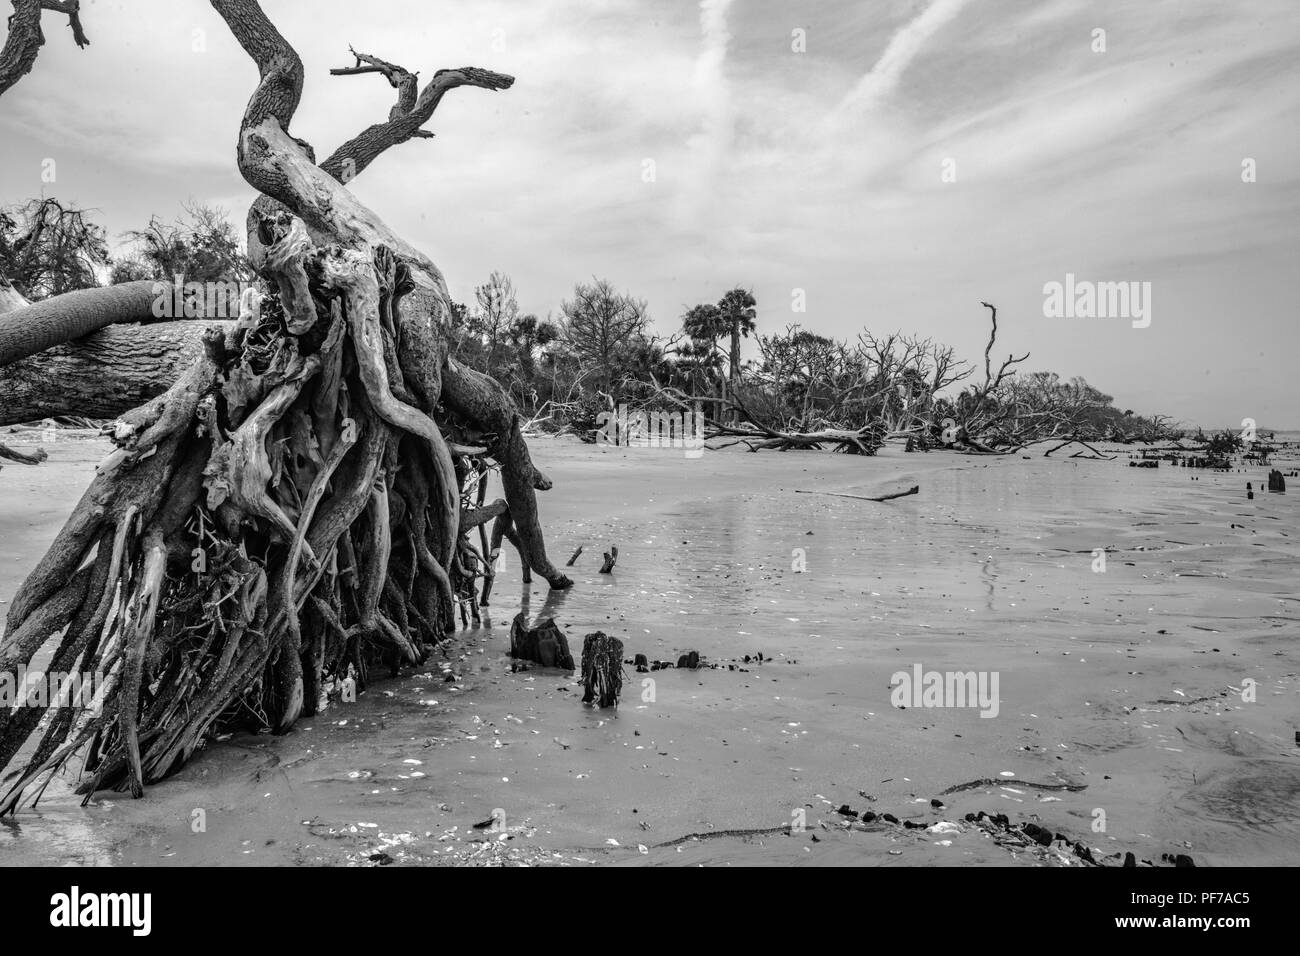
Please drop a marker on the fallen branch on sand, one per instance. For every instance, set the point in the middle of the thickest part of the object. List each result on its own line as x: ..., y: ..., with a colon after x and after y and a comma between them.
x: 988, y: 782
x: 1075, y: 441
x: 35, y: 459
x: 914, y: 490
x: 715, y: 834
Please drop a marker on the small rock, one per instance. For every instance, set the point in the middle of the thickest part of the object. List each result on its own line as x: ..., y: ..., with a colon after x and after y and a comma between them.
x: 1038, y: 834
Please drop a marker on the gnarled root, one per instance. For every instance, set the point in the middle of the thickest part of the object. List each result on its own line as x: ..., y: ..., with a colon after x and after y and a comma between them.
x: 288, y: 509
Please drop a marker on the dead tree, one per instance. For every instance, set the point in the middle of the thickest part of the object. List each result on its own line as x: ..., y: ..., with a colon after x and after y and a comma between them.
x: 980, y: 410
x: 294, y: 503
x: 25, y: 37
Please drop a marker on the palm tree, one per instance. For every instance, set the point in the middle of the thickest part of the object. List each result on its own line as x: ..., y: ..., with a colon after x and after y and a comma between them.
x: 738, y: 310
x: 705, y: 325
x: 698, y: 362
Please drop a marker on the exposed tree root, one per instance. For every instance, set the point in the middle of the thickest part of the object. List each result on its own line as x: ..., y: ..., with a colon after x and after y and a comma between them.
x: 300, y: 503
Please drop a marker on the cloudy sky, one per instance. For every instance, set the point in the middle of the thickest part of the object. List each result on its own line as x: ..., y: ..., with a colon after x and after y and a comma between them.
x: 897, y: 161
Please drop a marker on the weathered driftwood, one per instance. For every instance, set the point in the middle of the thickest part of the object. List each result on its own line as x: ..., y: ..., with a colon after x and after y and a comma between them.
x: 35, y: 458
x: 914, y: 490
x: 860, y: 441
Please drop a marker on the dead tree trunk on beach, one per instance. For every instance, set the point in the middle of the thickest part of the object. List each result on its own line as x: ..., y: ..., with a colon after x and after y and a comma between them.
x: 103, y: 375
x: 293, y: 503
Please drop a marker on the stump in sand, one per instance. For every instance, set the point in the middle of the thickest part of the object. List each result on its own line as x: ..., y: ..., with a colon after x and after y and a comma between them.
x: 602, y: 669
x: 544, y: 644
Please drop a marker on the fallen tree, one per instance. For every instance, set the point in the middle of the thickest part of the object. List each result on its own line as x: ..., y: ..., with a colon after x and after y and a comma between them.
x: 101, y: 376
x: 299, y: 501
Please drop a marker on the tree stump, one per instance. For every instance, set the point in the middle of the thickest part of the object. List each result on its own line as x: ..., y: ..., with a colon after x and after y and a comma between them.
x: 544, y: 644
x: 602, y: 669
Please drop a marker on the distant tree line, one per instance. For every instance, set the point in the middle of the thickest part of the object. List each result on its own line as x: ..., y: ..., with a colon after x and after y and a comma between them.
x: 601, y: 349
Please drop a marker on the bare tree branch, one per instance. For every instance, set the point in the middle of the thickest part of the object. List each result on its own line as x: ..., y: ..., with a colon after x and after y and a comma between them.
x: 26, y: 39
x: 400, y: 78
x: 407, y: 115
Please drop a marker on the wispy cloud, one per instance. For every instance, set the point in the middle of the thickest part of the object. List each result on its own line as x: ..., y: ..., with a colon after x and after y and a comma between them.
x: 903, y: 48
x: 709, y: 144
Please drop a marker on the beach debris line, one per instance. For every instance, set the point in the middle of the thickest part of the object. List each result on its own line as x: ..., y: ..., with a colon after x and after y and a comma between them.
x: 544, y: 644
x: 602, y: 669
x: 914, y: 490
x: 692, y: 660
x: 1031, y: 835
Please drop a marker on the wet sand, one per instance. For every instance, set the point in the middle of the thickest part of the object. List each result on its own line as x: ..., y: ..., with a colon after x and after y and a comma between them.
x: 1124, y: 685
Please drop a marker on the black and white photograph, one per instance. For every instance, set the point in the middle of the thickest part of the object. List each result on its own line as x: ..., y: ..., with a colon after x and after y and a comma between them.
x: 650, y: 433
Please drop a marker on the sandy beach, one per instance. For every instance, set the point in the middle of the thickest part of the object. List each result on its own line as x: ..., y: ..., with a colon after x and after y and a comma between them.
x: 1120, y: 692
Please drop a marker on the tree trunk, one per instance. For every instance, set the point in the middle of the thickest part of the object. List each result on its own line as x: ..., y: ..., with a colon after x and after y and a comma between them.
x: 62, y: 318
x: 103, y: 375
